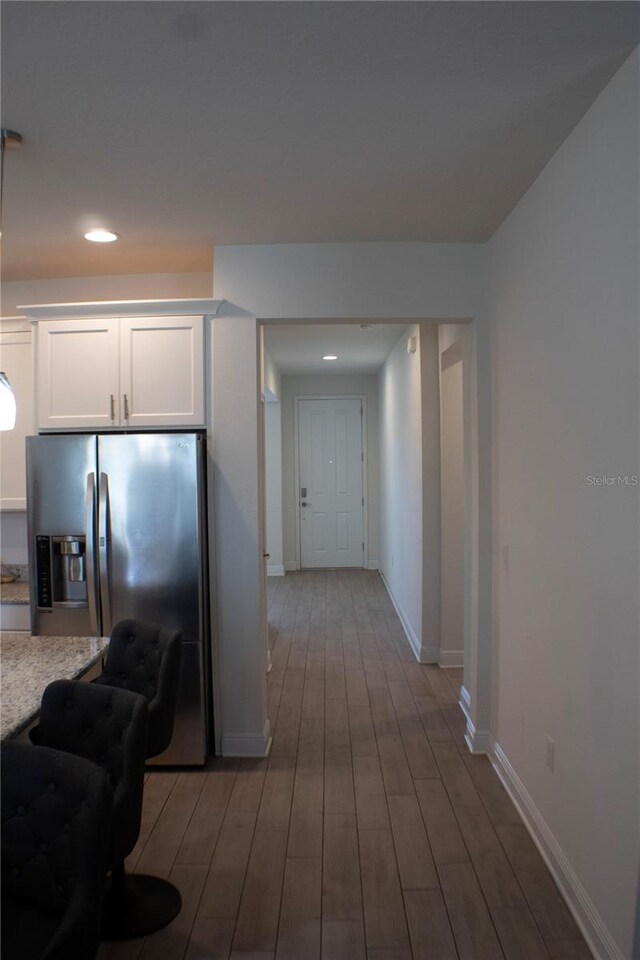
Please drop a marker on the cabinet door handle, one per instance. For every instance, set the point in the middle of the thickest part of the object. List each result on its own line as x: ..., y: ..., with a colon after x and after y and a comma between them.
x: 126, y: 407
x: 113, y: 407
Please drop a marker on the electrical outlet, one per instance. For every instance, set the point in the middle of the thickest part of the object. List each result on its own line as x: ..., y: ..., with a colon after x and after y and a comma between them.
x: 551, y: 753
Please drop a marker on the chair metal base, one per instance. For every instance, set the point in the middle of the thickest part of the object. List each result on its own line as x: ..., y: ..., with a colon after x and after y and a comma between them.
x: 137, y: 905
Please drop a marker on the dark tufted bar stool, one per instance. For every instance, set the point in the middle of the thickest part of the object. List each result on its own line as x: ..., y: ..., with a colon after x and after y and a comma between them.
x: 145, y: 658
x: 109, y: 727
x: 55, y: 823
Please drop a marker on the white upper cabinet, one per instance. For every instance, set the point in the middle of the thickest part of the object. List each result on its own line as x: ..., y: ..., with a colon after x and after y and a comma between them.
x: 78, y: 374
x: 120, y: 372
x: 161, y: 371
x: 16, y: 360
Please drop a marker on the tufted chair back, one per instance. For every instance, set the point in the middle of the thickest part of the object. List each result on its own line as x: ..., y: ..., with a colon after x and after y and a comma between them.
x: 55, y: 827
x: 109, y: 727
x: 145, y: 658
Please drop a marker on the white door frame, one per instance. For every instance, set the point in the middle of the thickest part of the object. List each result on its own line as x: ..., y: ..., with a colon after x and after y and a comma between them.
x: 262, y: 496
x: 456, y: 353
x: 296, y: 466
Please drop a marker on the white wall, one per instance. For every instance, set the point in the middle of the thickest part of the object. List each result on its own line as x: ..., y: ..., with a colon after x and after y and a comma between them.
x: 353, y: 280
x: 241, y: 648
x: 13, y: 537
x: 452, y: 504
x: 401, y: 482
x: 565, y: 308
x: 323, y: 386
x: 410, y: 486
x: 273, y: 486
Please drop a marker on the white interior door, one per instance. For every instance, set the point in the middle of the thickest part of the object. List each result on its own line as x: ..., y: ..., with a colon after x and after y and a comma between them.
x: 331, y: 501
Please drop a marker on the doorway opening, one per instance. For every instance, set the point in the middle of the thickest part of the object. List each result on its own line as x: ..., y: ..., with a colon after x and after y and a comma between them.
x: 387, y: 427
x: 325, y: 419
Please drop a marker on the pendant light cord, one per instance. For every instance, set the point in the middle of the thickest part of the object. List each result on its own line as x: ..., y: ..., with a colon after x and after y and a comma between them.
x: 7, y: 138
x: 7, y: 396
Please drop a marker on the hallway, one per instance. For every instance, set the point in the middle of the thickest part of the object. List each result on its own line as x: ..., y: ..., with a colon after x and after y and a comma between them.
x: 370, y: 833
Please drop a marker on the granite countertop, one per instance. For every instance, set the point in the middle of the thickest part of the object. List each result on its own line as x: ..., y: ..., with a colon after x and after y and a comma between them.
x: 17, y: 592
x: 29, y: 664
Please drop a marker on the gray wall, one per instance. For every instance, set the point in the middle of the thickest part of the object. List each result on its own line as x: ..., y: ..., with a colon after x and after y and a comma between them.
x: 564, y: 307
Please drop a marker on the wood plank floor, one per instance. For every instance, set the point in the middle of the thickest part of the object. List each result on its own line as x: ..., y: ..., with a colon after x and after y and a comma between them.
x: 370, y: 833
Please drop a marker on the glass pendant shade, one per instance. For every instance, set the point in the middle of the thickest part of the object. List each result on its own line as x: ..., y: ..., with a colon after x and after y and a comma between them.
x: 7, y: 404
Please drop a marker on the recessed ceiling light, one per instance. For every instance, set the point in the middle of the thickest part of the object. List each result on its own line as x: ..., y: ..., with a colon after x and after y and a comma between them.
x: 330, y: 356
x: 101, y: 236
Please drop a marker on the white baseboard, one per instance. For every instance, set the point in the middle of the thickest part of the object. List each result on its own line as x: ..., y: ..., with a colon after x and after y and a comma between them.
x: 247, y: 744
x: 421, y: 653
x: 416, y: 646
x: 290, y: 565
x: 373, y: 565
x: 451, y: 658
x: 465, y: 703
x: 586, y: 915
x: 275, y: 570
x: 478, y: 741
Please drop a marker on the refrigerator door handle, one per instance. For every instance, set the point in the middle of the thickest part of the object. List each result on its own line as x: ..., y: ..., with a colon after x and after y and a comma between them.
x: 103, y: 552
x: 90, y: 546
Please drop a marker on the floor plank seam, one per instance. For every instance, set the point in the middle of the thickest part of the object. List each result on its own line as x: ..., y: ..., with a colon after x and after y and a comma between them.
x: 286, y: 848
x: 213, y: 854
x: 515, y: 874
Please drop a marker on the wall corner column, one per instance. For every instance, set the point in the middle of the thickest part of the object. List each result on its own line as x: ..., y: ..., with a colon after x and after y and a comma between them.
x: 234, y: 527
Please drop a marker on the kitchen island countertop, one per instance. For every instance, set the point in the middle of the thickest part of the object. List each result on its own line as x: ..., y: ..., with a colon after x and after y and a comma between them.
x: 29, y: 664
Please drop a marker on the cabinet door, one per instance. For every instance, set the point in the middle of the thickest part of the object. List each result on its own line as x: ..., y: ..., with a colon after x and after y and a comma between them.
x: 16, y: 361
x: 161, y: 378
x: 78, y: 375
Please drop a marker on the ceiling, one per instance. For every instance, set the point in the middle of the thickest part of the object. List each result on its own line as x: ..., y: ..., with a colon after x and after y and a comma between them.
x: 187, y: 125
x: 300, y: 349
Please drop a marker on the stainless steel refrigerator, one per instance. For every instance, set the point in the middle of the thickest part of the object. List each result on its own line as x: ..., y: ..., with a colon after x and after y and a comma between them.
x: 117, y: 528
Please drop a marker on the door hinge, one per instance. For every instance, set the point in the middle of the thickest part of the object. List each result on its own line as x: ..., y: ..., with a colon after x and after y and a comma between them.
x: 362, y: 457
x: 363, y: 546
x: 363, y: 501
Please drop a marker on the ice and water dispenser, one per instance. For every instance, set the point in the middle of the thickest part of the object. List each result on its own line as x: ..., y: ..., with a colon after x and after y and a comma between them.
x: 61, y: 571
